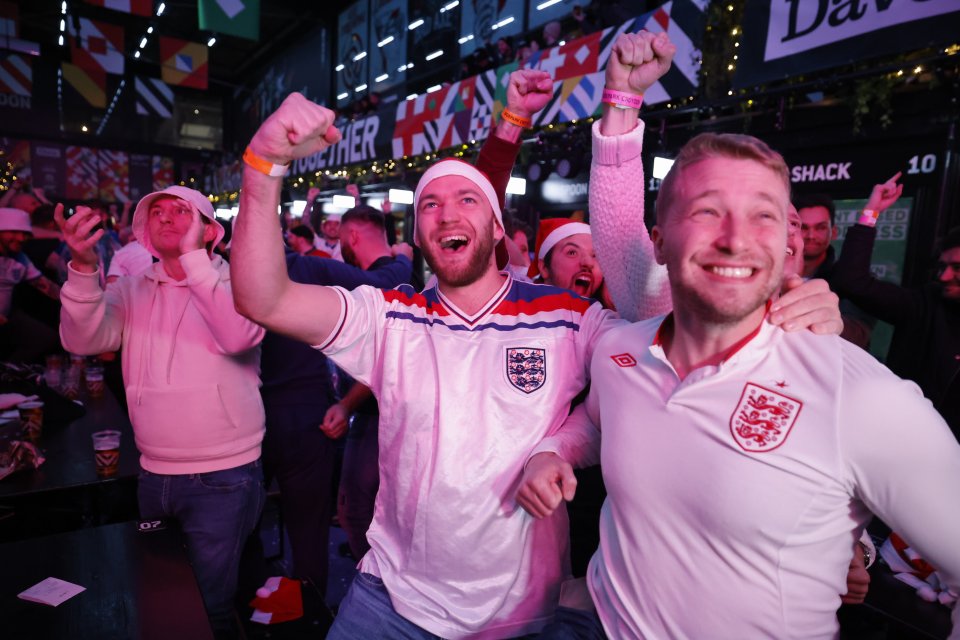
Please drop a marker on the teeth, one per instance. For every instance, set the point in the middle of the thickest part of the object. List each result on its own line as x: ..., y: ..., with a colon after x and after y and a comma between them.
x: 789, y: 251
x: 732, y: 272
x: 449, y: 241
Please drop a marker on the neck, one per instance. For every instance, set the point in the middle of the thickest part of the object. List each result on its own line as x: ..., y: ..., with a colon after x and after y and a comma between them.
x: 471, y: 298
x: 810, y: 265
x: 367, y: 259
x: 173, y: 268
x: 692, y: 343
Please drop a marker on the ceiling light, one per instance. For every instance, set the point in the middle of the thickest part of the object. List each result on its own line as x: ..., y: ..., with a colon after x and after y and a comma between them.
x: 339, y: 67
x: 160, y: 8
x: 548, y: 3
x: 143, y: 42
x: 465, y: 39
x: 212, y: 41
x: 360, y: 56
x: 136, y: 54
x: 149, y: 29
x: 400, y: 196
x: 661, y: 166
x: 416, y: 23
x: 342, y: 95
x: 83, y: 128
x: 412, y: 96
x: 346, y: 202
x: 385, y: 41
x: 435, y: 87
x: 381, y: 78
x: 362, y: 87
x: 517, y: 186
x: 503, y: 22
x: 435, y: 54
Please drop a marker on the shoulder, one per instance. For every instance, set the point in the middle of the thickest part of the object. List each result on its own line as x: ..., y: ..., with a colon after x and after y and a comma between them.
x: 530, y: 298
x: 637, y: 335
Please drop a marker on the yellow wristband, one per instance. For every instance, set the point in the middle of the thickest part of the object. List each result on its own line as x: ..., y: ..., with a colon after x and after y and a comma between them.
x: 513, y: 118
x: 264, y: 166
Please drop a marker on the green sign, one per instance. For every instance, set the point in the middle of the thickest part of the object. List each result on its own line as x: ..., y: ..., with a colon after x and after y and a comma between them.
x: 239, y: 18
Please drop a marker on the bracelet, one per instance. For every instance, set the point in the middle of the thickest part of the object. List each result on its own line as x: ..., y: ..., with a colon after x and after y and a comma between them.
x: 867, y: 556
x: 264, y: 166
x: 513, y: 118
x: 868, y: 218
x: 621, y: 99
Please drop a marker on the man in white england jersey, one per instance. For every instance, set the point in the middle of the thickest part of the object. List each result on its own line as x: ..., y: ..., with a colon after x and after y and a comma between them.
x: 471, y: 375
x: 742, y: 462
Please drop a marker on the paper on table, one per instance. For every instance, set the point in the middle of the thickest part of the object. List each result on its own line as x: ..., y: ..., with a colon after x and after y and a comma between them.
x: 52, y: 591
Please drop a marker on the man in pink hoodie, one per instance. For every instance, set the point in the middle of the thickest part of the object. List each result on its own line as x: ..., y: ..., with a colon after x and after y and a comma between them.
x: 190, y: 366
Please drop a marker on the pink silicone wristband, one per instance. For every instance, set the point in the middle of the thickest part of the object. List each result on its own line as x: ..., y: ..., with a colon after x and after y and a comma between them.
x: 621, y: 99
x: 868, y: 218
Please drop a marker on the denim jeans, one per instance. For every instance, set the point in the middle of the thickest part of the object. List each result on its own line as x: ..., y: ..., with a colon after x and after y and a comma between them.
x: 359, y: 482
x: 366, y: 612
x: 216, y: 511
x: 574, y: 624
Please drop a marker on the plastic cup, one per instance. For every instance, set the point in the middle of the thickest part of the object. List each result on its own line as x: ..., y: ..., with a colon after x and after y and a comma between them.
x: 106, y: 452
x: 31, y: 415
x: 94, y: 379
x: 71, y: 384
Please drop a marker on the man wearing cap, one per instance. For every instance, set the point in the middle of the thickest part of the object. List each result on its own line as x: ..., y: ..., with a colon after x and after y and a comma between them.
x: 190, y: 367
x: 22, y: 337
x: 565, y: 256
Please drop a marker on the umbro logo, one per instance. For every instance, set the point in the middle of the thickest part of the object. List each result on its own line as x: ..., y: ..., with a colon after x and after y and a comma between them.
x: 624, y: 360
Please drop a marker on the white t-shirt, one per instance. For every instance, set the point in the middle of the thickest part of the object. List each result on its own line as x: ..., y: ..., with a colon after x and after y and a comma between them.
x: 132, y: 259
x: 735, y: 495
x: 463, y: 401
x: 14, y: 270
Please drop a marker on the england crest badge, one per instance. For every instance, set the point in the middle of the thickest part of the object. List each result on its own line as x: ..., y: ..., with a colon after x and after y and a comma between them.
x: 763, y: 418
x: 526, y: 368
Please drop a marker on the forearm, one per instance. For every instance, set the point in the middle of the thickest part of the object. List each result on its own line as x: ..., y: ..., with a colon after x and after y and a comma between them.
x: 90, y: 320
x: 213, y: 298
x: 357, y: 395
x: 577, y: 440
x: 638, y: 285
x: 257, y: 267
x: 47, y: 288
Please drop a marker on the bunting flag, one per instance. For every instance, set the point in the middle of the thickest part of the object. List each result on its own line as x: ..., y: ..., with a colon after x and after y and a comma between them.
x: 183, y: 63
x: 114, y: 172
x: 162, y: 172
x: 153, y: 97
x: 9, y: 20
x: 96, y: 45
x: 239, y: 18
x: 82, y: 175
x: 136, y: 7
x: 90, y: 84
x: 16, y: 74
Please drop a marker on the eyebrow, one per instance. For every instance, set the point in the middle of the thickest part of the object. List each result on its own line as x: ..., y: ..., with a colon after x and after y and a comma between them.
x: 762, y: 195
x: 459, y: 192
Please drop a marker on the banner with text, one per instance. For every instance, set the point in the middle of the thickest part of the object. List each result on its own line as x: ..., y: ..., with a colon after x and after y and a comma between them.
x: 782, y: 38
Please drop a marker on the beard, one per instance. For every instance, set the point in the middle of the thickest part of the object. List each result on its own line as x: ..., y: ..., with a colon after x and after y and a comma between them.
x: 465, y: 273
x: 349, y: 256
x: 714, y: 308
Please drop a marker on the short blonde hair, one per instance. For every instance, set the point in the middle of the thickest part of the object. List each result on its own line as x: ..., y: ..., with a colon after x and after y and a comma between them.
x: 719, y: 145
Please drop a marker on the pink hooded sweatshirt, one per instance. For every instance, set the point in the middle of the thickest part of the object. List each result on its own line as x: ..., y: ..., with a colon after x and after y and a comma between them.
x: 190, y: 361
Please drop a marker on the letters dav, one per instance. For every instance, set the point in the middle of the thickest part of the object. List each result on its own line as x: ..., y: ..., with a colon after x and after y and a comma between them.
x: 763, y: 418
x: 832, y: 172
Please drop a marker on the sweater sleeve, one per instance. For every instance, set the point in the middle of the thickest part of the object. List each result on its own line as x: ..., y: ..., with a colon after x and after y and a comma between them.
x: 851, y: 278
x: 91, y: 320
x: 213, y: 298
x: 577, y: 440
x: 638, y: 285
x: 496, y: 160
x: 904, y: 464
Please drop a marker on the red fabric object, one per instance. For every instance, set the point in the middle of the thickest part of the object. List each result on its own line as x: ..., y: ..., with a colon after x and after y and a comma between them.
x: 284, y: 604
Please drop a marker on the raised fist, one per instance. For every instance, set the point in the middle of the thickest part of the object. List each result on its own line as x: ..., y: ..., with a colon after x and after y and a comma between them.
x: 528, y: 91
x: 298, y: 128
x: 638, y: 60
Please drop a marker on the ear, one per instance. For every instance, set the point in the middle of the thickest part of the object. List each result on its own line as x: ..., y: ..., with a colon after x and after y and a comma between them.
x: 544, y: 270
x: 209, y: 232
x: 498, y: 231
x: 657, y: 238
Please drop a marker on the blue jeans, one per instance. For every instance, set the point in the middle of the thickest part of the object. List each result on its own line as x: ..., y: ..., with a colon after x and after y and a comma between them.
x: 574, y: 624
x: 366, y: 612
x: 216, y: 511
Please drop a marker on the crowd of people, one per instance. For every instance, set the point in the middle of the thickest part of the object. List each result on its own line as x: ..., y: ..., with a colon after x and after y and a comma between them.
x: 747, y: 437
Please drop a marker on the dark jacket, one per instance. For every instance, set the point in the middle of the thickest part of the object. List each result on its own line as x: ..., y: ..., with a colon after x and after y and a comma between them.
x: 926, y: 342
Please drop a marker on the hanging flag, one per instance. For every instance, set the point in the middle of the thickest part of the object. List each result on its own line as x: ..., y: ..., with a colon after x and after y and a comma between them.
x: 183, y: 63
x: 82, y: 174
x: 239, y: 18
x: 96, y: 44
x: 9, y: 20
x: 91, y: 84
x: 153, y: 97
x: 16, y: 74
x: 136, y: 7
